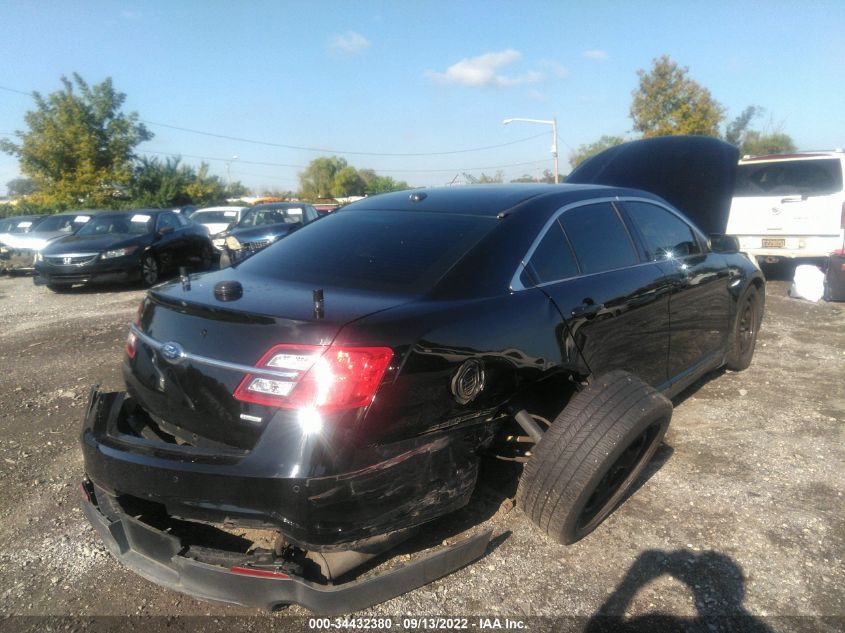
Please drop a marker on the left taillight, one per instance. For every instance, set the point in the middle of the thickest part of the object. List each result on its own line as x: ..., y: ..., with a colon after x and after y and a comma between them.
x: 323, y: 378
x: 131, y: 339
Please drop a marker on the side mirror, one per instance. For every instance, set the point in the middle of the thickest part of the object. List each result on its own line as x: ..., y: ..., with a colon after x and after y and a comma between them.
x: 165, y: 230
x: 723, y: 243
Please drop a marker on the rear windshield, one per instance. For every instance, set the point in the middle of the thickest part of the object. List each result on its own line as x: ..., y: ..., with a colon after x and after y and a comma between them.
x: 215, y: 217
x: 260, y: 217
x: 815, y: 177
x: 394, y: 251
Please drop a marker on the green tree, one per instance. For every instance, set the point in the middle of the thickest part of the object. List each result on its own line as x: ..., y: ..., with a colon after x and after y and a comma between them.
x: 547, y: 177
x: 588, y: 150
x: 169, y: 183
x: 384, y: 184
x: 347, y: 182
x: 484, y: 179
x: 739, y: 127
x: 753, y: 142
x: 79, y: 146
x: 318, y: 178
x: 667, y: 102
x: 758, y: 143
x: 21, y: 187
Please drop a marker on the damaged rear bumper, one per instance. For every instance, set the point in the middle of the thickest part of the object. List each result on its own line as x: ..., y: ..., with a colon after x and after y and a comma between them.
x: 158, y: 557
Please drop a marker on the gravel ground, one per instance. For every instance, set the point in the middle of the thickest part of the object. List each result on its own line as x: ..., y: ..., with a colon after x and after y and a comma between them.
x: 741, y: 514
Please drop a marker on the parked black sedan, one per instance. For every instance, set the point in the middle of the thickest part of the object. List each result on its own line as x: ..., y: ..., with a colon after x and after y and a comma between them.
x: 263, y: 225
x: 142, y: 244
x: 339, y: 390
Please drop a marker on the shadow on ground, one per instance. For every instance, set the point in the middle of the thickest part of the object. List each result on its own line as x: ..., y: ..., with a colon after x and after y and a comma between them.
x: 715, y: 580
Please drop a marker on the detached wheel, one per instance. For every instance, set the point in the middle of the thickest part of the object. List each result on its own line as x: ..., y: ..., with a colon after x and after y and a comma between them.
x: 744, y: 336
x: 593, y: 452
x: 149, y: 269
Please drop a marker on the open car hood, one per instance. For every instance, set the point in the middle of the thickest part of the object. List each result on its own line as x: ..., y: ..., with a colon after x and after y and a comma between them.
x: 694, y: 173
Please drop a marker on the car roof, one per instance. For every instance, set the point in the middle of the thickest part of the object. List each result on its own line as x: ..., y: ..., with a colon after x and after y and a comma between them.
x: 16, y: 218
x: 482, y: 200
x: 84, y: 212
x: 222, y: 208
x: 280, y: 205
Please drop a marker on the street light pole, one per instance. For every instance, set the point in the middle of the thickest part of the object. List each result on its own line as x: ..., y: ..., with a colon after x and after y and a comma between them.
x: 553, y: 123
x: 229, y: 175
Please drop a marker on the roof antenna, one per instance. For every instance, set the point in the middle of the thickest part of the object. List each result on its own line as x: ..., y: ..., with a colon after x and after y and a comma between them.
x: 184, y: 278
x: 318, y: 303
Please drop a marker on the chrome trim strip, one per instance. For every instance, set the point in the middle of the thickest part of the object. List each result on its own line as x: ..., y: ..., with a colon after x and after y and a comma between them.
x: 213, y: 362
x: 62, y: 255
x: 516, y: 285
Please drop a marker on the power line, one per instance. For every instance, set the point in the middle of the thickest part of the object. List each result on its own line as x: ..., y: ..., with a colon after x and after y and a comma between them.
x: 266, y: 164
x: 324, y: 150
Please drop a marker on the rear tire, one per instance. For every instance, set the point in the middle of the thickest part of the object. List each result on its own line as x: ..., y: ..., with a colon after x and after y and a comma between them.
x: 746, y: 326
x: 593, y: 452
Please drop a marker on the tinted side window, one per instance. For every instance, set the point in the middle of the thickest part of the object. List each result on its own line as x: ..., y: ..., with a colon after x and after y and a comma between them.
x: 552, y: 259
x: 167, y: 220
x: 664, y: 234
x: 599, y: 238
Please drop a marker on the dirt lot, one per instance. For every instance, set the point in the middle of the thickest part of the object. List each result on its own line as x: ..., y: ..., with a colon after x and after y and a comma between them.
x: 742, y: 513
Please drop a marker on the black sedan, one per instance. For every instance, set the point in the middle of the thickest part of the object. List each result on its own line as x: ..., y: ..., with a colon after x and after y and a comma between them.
x: 340, y: 389
x: 263, y: 225
x: 142, y: 244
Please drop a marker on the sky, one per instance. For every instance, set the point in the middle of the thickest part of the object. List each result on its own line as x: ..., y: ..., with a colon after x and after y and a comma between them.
x: 416, y: 90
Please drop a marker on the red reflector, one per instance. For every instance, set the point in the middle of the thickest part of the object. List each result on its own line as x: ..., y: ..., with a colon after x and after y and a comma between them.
x: 260, y: 573
x: 322, y: 378
x: 129, y: 348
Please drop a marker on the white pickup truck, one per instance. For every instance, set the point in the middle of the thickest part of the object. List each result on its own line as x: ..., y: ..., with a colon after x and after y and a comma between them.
x: 789, y: 205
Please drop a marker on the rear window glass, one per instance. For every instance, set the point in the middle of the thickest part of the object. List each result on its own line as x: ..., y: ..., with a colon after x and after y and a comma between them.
x: 815, y: 177
x: 599, y: 238
x: 261, y: 217
x: 552, y: 259
x: 215, y: 217
x: 399, y: 251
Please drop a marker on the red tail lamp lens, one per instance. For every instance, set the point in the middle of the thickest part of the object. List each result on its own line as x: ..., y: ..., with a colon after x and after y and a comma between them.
x: 323, y: 378
x: 258, y: 573
x: 132, y: 340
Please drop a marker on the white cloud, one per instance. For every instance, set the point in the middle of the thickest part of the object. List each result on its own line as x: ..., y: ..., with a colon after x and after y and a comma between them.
x: 484, y: 71
x: 597, y: 54
x: 555, y: 68
x: 350, y: 43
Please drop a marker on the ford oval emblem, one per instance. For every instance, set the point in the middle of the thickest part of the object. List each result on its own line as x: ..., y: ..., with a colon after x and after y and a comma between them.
x: 172, y: 352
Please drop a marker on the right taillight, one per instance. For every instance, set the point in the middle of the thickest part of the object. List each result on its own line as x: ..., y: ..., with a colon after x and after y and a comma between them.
x: 321, y: 378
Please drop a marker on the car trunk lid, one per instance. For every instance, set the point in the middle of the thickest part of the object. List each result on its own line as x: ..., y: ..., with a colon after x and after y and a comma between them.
x: 193, y: 349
